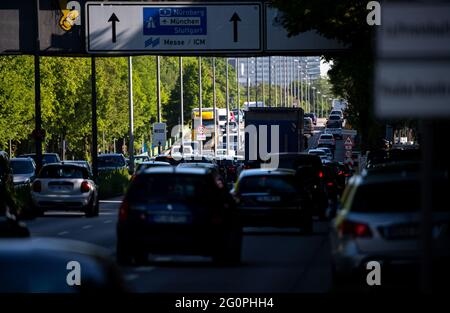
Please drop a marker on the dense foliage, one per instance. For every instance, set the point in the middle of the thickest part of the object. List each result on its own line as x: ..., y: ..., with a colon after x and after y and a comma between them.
x: 66, y: 99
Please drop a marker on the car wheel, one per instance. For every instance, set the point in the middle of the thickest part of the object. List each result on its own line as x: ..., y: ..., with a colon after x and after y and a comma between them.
x: 307, y: 226
x: 231, y: 251
x: 91, y: 209
x: 123, y: 255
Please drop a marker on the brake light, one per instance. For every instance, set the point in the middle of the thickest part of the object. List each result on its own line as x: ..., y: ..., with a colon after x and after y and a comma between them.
x: 330, y: 184
x: 340, y: 172
x: 354, y: 229
x: 123, y: 210
x: 37, y: 186
x: 320, y: 174
x: 85, y: 186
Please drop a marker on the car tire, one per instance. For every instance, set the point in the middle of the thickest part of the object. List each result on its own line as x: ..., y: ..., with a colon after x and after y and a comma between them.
x: 92, y: 209
x: 123, y: 255
x: 230, y: 253
x: 307, y: 227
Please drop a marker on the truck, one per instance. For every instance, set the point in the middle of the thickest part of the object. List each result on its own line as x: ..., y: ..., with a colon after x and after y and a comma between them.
x: 290, y: 122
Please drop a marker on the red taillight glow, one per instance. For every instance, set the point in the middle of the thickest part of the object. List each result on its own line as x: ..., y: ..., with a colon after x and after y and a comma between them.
x: 330, y: 184
x: 123, y: 210
x: 85, y: 186
x: 37, y: 186
x: 320, y: 174
x: 355, y: 229
x: 340, y: 172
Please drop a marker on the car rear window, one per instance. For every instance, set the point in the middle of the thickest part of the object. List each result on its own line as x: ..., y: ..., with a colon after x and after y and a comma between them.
x: 334, y: 117
x: 268, y: 183
x: 317, y: 152
x: 111, y: 161
x: 21, y: 167
x: 403, y: 196
x: 166, y: 188
x: 63, y: 172
x: 326, y: 136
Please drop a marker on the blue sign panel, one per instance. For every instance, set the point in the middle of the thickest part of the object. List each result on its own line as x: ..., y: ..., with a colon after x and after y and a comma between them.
x: 175, y: 21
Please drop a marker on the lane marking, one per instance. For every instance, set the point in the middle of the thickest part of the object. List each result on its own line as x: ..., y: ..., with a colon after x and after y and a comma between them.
x: 130, y: 277
x: 63, y: 233
x: 107, y: 221
x: 87, y: 226
x: 144, y: 269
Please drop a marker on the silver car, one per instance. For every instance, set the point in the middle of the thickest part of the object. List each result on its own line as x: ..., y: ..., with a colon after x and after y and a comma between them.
x: 23, y: 170
x: 380, y: 221
x: 65, y: 186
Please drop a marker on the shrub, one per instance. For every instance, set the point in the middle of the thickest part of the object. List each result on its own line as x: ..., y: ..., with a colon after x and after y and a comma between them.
x: 112, y: 183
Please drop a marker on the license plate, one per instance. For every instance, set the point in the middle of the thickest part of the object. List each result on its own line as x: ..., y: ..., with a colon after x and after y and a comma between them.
x: 400, y: 232
x: 61, y: 188
x: 268, y: 198
x: 170, y: 219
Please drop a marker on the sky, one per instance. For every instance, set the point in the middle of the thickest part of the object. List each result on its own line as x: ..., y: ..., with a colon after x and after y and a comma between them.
x: 324, y: 67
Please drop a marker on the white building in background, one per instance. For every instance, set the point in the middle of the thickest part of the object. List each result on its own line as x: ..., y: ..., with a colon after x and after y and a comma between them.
x: 277, y: 68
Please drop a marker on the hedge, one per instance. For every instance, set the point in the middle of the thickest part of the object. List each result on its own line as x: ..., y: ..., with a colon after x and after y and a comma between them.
x: 112, y: 183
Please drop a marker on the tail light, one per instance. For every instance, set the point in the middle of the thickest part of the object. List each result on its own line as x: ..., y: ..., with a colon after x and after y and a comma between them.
x: 330, y: 184
x: 354, y: 229
x: 320, y: 174
x: 123, y: 210
x: 340, y: 173
x: 37, y: 186
x: 85, y: 186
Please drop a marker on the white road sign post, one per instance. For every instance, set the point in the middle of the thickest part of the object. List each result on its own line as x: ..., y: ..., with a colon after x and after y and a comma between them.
x: 177, y: 28
x: 159, y: 134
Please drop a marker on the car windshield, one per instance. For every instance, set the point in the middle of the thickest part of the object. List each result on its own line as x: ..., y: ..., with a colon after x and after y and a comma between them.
x: 169, y: 188
x: 268, y: 183
x: 63, y: 172
x: 334, y: 117
x: 21, y: 167
x: 403, y: 196
x: 111, y: 161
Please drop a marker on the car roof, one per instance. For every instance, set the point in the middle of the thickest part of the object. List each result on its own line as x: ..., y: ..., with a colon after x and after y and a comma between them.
x: 265, y: 172
x: 155, y: 162
x: 177, y: 170
x: 109, y: 154
x: 22, y: 159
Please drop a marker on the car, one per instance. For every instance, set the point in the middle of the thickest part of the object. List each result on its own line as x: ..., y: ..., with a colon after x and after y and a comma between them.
x: 307, y: 125
x: 328, y: 152
x: 111, y: 161
x: 379, y: 220
x: 334, y: 117
x: 65, y: 186
x: 312, y: 116
x: 168, y: 158
x: 273, y: 198
x: 80, y: 162
x: 310, y: 173
x: 337, y: 112
x: 44, y: 265
x: 6, y: 184
x: 176, y: 150
x: 23, y: 170
x: 140, y: 158
x: 327, y: 140
x: 46, y: 157
x: 148, y: 164
x: 178, y: 210
x: 319, y: 152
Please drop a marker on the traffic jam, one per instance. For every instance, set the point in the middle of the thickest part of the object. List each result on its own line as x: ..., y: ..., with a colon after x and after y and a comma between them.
x: 223, y: 172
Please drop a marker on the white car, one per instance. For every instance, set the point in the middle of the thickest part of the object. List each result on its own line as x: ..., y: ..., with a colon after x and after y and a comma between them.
x: 379, y: 220
x: 65, y: 186
x: 327, y: 139
x: 328, y: 152
x: 320, y: 153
